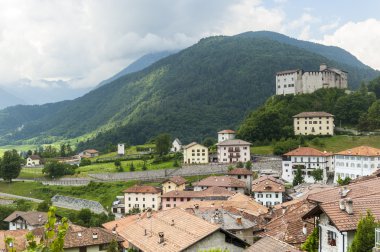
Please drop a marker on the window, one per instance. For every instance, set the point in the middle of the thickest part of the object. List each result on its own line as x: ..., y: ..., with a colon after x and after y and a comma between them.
x: 239, y: 177
x: 174, y: 199
x: 153, y: 199
x: 167, y: 205
x: 268, y: 195
x: 153, y: 206
x: 276, y: 195
x: 331, y: 238
x: 137, y: 199
x: 181, y: 199
x: 129, y: 198
x: 143, y: 199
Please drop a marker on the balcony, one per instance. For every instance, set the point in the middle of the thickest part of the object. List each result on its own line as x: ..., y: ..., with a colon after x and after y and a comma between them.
x: 234, y: 156
x: 236, y: 149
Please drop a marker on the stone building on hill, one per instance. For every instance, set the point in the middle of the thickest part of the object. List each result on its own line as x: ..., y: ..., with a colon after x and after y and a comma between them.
x: 299, y: 81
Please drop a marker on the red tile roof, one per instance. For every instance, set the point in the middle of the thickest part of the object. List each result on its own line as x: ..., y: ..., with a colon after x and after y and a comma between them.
x: 361, y: 151
x: 32, y: 218
x: 268, y: 185
x: 307, y: 151
x: 271, y: 244
x: 233, y: 142
x: 19, y: 237
x: 228, y: 131
x: 178, y: 180
x: 314, y: 114
x: 142, y: 189
x: 221, y: 181
x: 209, y: 192
x: 92, y: 151
x: 240, y: 171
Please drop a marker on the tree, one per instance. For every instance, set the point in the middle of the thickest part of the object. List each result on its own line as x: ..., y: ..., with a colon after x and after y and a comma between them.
x: 344, y: 181
x: 298, y: 178
x: 84, y: 215
x: 312, y: 242
x: 53, y: 237
x: 55, y: 169
x: 364, y: 238
x: 209, y: 141
x: 132, y: 167
x: 44, y: 206
x: 317, y: 174
x: 10, y: 165
x: 144, y: 167
x: 162, y: 142
x: 84, y: 162
x: 113, y: 247
x: 175, y: 163
x: 239, y: 165
x: 248, y: 165
x: 118, y: 165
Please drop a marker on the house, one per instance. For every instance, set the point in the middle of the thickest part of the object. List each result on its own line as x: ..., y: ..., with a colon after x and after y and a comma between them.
x: 177, y: 198
x: 339, y: 211
x: 142, y: 197
x: 195, y: 153
x: 173, y: 230
x: 118, y: 207
x: 120, y: 149
x: 19, y: 239
x: 233, y: 150
x: 313, y: 123
x: 268, y: 191
x: 308, y: 159
x: 356, y: 162
x: 89, y: 153
x: 244, y: 175
x: 176, y: 146
x: 229, y: 183
x: 176, y: 183
x: 298, y: 81
x: 226, y: 135
x: 26, y: 220
x: 271, y: 244
x: 33, y: 160
x: 287, y: 223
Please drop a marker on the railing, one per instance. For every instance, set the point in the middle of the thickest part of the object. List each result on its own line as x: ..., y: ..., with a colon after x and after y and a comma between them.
x: 233, y: 149
x: 377, y: 238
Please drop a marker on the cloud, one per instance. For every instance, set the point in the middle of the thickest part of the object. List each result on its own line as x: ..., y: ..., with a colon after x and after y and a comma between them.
x: 362, y: 39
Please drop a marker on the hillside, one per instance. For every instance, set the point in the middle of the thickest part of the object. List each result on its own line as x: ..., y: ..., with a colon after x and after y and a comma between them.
x: 191, y: 94
x: 7, y: 99
x: 139, y: 64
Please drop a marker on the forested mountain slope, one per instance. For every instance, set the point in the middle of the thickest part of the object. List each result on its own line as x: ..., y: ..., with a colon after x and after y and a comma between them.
x: 191, y: 94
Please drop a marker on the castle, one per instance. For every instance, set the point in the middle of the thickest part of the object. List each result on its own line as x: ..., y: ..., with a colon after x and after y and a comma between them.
x: 300, y: 82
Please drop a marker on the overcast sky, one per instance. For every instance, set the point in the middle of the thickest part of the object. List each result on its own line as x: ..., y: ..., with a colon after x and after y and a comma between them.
x: 84, y: 42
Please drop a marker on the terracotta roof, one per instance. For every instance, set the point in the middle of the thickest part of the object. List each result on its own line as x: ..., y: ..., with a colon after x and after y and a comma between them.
x: 35, y: 157
x: 142, y: 189
x: 228, y: 131
x: 209, y: 192
x: 178, y: 180
x: 221, y: 181
x: 233, y: 142
x: 31, y: 218
x: 288, y: 226
x: 307, y: 151
x: 314, y: 114
x: 240, y: 171
x: 85, y: 237
x: 356, y: 190
x: 192, y: 144
x: 19, y: 237
x: 181, y: 230
x: 92, y: 151
x: 265, y: 177
x: 361, y: 151
x: 267, y: 184
x: 270, y: 244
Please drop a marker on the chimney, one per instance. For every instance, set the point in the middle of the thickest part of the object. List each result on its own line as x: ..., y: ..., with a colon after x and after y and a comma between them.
x: 196, y: 206
x: 161, y: 237
x: 322, y: 67
x: 349, y: 207
x: 145, y: 232
x: 149, y: 212
x: 342, y: 204
x: 238, y: 220
x: 114, y: 229
x: 94, y: 235
x: 283, y: 209
x: 304, y: 229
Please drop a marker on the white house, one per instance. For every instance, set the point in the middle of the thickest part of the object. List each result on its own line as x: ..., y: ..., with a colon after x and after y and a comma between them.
x: 176, y: 146
x: 308, y: 159
x: 142, y: 197
x: 268, y: 191
x: 356, y: 162
x: 226, y: 135
x: 121, y: 149
x: 33, y: 160
x: 299, y: 81
x: 233, y: 150
x: 26, y: 220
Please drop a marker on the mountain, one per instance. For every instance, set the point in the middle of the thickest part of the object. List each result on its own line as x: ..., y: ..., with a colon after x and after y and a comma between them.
x: 139, y: 64
x: 191, y: 94
x: 7, y: 99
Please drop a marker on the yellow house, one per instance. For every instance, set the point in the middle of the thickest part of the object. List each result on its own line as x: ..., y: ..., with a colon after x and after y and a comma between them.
x: 195, y: 153
x: 313, y: 123
x: 176, y: 183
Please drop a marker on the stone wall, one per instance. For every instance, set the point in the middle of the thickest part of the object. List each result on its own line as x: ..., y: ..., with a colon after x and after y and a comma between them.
x: 77, y: 203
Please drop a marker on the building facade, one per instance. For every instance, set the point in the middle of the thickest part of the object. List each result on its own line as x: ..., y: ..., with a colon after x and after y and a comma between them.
x: 142, y: 197
x: 176, y: 183
x: 33, y: 160
x: 229, y: 183
x: 121, y: 149
x: 268, y: 191
x: 226, y: 135
x: 301, y: 82
x: 176, y: 146
x: 233, y: 150
x: 313, y: 123
x: 244, y: 175
x: 356, y: 162
x: 308, y: 159
x: 195, y: 153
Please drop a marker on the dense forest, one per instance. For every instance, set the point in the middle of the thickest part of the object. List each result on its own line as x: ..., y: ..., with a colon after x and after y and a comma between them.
x: 273, y: 120
x: 191, y: 94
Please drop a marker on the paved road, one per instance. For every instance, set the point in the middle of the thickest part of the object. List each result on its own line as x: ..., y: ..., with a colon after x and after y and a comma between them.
x: 19, y: 197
